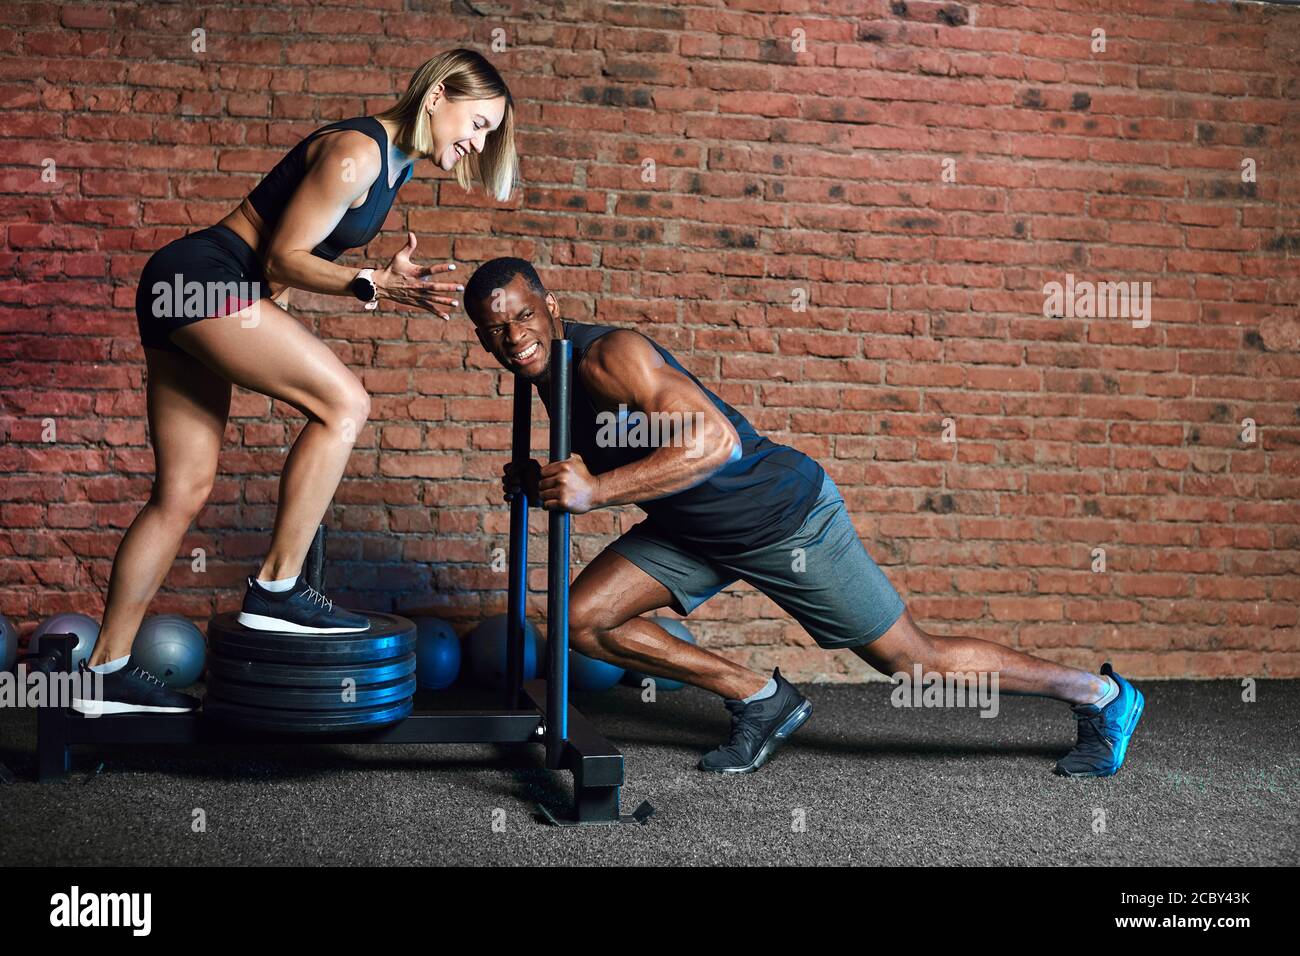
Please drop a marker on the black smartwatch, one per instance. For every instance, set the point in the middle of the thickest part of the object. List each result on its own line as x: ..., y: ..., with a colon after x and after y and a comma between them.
x: 363, y: 287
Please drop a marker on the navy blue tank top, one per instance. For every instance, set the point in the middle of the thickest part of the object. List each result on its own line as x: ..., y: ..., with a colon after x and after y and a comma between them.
x: 358, y: 226
x: 756, y: 500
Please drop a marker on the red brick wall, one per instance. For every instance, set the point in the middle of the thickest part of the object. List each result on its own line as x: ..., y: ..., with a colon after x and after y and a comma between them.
x: 818, y: 170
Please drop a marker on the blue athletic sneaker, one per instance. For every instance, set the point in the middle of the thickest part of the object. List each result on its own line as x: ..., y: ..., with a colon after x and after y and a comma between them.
x: 1104, y: 733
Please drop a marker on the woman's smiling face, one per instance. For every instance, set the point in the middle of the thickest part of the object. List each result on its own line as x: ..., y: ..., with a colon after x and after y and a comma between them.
x: 460, y: 127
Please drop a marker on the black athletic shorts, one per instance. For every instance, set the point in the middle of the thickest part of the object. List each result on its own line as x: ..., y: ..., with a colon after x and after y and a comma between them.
x: 206, y: 274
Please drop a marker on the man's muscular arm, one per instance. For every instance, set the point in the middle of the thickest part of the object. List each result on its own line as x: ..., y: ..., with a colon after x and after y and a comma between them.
x: 623, y: 368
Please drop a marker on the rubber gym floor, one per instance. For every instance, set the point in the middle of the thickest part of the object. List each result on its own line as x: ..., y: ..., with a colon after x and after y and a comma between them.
x: 1210, y: 780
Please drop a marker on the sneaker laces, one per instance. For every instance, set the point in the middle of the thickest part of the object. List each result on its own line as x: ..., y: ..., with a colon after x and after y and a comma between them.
x: 743, y: 727
x: 139, y: 671
x: 317, y: 598
x: 1092, y: 730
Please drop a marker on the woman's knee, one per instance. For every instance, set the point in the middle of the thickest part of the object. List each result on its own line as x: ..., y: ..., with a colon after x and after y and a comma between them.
x: 347, y: 407
x: 182, y: 497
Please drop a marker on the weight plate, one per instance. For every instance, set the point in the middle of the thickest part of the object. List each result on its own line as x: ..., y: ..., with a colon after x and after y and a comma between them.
x: 306, y: 721
x: 389, y: 636
x: 310, y: 698
x: 309, y: 675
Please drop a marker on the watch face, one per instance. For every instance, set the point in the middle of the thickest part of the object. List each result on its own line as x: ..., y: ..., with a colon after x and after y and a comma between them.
x: 363, y: 288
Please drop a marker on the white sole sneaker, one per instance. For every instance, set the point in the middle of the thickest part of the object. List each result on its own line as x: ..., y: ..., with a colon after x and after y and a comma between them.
x: 100, y: 708
x: 260, y: 622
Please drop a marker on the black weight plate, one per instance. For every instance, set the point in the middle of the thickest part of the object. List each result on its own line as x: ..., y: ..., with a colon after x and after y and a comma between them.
x: 389, y: 636
x: 306, y: 721
x: 309, y: 675
x: 310, y: 698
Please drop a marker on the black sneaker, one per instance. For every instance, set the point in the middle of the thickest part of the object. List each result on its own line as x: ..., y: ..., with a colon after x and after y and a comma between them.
x: 1104, y: 732
x: 129, y: 690
x: 757, y: 729
x: 300, y: 610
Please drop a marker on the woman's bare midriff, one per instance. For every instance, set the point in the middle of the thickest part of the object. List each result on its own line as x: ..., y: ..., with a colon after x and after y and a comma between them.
x: 244, y: 222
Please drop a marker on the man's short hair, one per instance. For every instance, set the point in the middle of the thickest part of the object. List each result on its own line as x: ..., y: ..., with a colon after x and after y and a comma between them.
x: 497, y: 274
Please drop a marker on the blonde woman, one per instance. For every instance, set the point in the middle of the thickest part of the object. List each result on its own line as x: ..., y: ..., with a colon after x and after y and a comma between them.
x: 209, y: 309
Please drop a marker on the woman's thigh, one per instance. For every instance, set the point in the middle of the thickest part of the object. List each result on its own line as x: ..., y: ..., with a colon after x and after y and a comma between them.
x: 187, y: 405
x: 266, y: 350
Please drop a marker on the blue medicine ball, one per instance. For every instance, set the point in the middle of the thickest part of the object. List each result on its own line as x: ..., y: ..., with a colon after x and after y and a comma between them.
x: 486, y: 648
x: 587, y: 673
x: 170, y: 648
x: 85, y: 628
x: 437, y: 653
x: 8, y: 644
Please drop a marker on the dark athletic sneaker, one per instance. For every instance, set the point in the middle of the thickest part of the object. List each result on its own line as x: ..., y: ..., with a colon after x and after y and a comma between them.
x: 300, y: 610
x: 131, y: 690
x: 1104, y: 734
x: 757, y: 729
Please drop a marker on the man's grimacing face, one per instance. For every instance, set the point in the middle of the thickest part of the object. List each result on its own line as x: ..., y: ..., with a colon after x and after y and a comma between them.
x: 516, y: 325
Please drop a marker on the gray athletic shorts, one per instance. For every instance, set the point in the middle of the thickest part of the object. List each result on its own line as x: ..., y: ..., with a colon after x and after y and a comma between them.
x: 821, y: 575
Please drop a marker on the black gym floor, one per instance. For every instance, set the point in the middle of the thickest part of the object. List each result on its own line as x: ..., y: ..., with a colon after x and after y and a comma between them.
x: 1210, y: 780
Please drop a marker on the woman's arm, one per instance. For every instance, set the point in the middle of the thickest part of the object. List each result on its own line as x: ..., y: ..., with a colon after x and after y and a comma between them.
x: 344, y: 168
x: 345, y: 165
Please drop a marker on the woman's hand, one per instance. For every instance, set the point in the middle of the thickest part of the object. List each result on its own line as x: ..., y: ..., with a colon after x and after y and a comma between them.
x: 404, y: 282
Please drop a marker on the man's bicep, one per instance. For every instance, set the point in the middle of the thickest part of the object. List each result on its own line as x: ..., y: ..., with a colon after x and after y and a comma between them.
x: 624, y: 368
x: 668, y: 390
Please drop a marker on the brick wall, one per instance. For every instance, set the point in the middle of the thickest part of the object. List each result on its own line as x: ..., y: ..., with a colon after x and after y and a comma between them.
x: 775, y: 171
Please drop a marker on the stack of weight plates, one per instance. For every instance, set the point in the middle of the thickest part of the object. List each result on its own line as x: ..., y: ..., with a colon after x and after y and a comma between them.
x: 310, y: 683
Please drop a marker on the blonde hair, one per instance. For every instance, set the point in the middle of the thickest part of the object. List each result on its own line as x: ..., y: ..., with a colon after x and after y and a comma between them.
x: 465, y: 75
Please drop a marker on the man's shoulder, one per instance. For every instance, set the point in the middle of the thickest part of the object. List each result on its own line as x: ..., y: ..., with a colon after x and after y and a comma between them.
x: 617, y: 353
x: 616, y: 341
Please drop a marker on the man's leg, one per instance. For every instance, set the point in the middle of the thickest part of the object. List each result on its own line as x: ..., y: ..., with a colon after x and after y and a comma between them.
x: 905, y: 645
x: 1106, y: 706
x: 824, y: 578
x: 844, y: 601
x: 605, y: 604
x: 643, y: 571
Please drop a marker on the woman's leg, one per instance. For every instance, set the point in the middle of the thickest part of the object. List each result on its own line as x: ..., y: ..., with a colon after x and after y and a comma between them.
x: 187, y: 407
x: 266, y: 350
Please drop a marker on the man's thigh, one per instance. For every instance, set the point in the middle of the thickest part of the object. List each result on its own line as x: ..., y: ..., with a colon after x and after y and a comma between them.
x: 823, y: 577
x: 686, y: 578
x: 611, y: 590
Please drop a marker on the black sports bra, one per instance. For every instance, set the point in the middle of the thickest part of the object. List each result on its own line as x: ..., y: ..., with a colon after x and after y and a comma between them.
x: 358, y: 226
